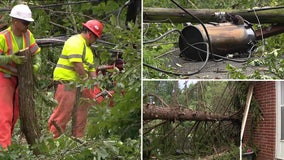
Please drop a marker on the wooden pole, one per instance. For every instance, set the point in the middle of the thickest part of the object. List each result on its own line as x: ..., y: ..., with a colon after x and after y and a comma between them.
x: 29, y: 124
x: 249, y: 97
x: 174, y: 15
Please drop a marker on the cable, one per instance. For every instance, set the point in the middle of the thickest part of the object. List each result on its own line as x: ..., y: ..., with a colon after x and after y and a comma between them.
x: 202, y: 24
x: 55, y: 5
x: 261, y: 32
x: 184, y: 74
x: 162, y: 36
x: 265, y: 8
x: 119, y: 12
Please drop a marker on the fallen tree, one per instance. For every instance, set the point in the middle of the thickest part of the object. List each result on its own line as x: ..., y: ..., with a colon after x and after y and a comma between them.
x: 152, y: 112
x: 200, y: 120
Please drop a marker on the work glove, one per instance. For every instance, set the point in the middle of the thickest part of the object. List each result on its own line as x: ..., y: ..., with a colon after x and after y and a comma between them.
x: 5, y: 59
x: 35, y: 68
x: 36, y: 63
x: 113, y: 70
x: 18, y: 59
x: 119, y: 64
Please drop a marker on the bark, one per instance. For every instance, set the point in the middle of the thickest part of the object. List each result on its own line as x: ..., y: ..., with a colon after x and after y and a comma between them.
x: 29, y: 124
x: 269, y: 31
x: 51, y: 41
x: 152, y: 112
x: 169, y: 15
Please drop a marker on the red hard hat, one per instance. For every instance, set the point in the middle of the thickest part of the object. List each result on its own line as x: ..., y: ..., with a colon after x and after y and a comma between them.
x: 95, y: 26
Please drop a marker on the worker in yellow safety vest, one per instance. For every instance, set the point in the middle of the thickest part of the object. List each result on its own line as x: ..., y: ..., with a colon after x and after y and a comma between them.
x: 75, y: 64
x: 15, y: 38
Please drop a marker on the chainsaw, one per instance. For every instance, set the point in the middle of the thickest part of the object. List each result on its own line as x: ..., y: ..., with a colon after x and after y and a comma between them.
x: 98, y: 94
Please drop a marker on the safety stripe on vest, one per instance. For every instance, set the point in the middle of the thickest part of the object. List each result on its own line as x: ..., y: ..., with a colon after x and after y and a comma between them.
x: 8, y: 37
x: 9, y: 68
x: 83, y: 56
x: 84, y: 61
x: 33, y: 48
x: 6, y: 71
x: 70, y: 56
x: 65, y: 67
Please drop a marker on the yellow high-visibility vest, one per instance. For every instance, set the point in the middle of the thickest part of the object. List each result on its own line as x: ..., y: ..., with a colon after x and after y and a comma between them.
x: 9, y: 46
x: 74, y: 50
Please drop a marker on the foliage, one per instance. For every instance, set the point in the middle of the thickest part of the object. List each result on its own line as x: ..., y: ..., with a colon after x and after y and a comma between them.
x: 272, y: 60
x: 232, y: 154
x: 66, y: 148
x: 112, y: 133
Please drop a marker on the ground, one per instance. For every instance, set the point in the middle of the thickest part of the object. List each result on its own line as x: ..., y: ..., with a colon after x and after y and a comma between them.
x: 212, y: 69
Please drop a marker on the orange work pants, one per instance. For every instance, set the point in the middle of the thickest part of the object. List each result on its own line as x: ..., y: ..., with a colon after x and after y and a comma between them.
x: 66, y: 98
x: 9, y: 108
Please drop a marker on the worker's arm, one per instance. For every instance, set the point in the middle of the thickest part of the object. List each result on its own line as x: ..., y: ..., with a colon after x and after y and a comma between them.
x: 5, y: 59
x: 79, y: 68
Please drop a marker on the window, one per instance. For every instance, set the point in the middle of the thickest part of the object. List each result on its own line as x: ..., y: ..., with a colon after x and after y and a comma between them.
x: 282, y: 111
x: 280, y: 120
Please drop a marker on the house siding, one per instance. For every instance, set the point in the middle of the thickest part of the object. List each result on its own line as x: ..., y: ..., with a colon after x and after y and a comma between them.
x: 265, y: 134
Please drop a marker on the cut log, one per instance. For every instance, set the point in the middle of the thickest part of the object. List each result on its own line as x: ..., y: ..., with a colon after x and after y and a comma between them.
x: 29, y: 124
x: 174, y: 15
x: 152, y: 112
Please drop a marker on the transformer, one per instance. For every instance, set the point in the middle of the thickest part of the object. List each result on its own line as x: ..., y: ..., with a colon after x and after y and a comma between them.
x: 225, y: 38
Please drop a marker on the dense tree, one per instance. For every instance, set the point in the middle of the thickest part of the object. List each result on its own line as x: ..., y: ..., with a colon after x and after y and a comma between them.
x: 205, y: 119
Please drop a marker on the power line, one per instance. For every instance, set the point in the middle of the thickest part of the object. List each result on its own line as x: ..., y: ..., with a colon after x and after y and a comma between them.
x: 55, y: 5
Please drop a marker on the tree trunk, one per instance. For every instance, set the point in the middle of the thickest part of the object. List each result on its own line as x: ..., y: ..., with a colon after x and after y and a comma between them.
x: 152, y: 112
x: 171, y: 15
x: 29, y: 125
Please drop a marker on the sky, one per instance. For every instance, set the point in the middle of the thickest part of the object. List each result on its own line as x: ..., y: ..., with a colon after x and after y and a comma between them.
x: 188, y: 82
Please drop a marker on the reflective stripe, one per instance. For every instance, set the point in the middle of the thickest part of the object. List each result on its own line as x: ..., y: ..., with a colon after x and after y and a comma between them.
x: 8, y: 38
x: 70, y: 56
x: 84, y: 53
x: 91, y: 66
x: 8, y: 69
x: 33, y: 48
x: 27, y: 39
x: 65, y: 67
x: 12, y: 69
x: 64, y: 56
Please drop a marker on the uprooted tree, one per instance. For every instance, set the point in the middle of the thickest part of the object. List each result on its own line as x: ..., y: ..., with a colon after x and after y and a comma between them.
x: 199, y: 120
